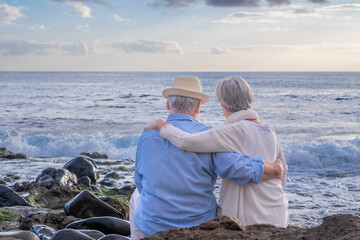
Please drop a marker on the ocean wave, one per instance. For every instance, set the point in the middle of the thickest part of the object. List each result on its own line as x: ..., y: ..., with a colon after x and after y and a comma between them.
x: 299, y: 155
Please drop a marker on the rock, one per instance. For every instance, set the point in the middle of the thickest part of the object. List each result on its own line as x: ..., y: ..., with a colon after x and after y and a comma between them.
x: 108, y: 182
x: 114, y: 237
x: 24, y: 186
x: 2, y: 182
x: 339, y: 226
x: 17, y: 235
x: 95, y: 155
x: 43, y: 232
x: 86, y: 205
x: 113, y: 175
x: 70, y: 234
x: 106, y: 225
x: 119, y: 202
x: 56, y: 177
x: 127, y: 189
x: 9, y: 179
x: 85, y: 180
x: 55, y: 197
x: 92, y: 233
x: 83, y: 166
x: 10, y: 198
x: 4, y: 153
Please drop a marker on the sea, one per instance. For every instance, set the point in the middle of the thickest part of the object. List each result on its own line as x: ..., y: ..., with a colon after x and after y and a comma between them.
x: 54, y: 116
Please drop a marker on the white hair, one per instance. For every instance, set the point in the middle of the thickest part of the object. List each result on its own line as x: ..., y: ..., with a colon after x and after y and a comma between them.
x: 234, y: 93
x: 183, y: 104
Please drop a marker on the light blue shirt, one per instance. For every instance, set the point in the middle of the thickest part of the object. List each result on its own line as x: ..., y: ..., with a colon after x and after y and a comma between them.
x: 176, y: 186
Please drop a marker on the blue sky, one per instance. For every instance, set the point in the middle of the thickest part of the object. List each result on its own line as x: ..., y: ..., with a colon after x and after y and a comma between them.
x: 179, y: 35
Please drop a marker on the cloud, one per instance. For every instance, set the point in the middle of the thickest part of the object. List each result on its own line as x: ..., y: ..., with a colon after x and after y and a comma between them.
x: 319, y: 1
x: 233, y: 3
x: 40, y: 48
x: 9, y: 14
x: 172, y: 3
x: 274, y: 3
x: 100, y: 2
x: 83, y: 10
x: 120, y: 19
x: 148, y: 46
x: 84, y: 27
x: 39, y: 27
x: 343, y: 7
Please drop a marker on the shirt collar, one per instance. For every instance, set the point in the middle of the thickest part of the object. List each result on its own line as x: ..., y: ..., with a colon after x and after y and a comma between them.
x: 180, y: 116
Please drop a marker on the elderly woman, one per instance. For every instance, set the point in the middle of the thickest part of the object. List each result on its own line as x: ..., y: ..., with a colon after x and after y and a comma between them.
x: 242, y: 132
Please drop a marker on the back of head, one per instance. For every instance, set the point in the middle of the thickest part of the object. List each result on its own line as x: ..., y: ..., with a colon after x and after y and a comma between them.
x: 234, y: 93
x: 182, y: 104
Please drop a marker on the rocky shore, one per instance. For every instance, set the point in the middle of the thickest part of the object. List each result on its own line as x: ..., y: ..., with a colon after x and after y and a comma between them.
x: 75, y: 202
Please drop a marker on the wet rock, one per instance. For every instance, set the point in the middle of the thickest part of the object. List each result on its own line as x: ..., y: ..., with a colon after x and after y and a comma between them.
x: 55, y: 197
x: 83, y: 166
x: 95, y: 188
x: 127, y: 189
x: 114, y: 237
x: 86, y: 205
x: 43, y: 232
x: 70, y: 234
x: 92, y: 233
x: 6, y: 154
x: 85, y: 180
x: 106, y: 225
x: 2, y: 182
x: 108, y: 182
x: 10, y: 198
x: 340, y: 226
x: 119, y: 202
x: 113, y: 175
x: 55, y: 219
x: 56, y: 177
x: 95, y: 155
x: 21, y: 235
x: 24, y: 186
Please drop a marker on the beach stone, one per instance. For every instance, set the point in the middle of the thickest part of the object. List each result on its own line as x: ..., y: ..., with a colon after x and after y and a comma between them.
x: 108, y: 182
x: 56, y: 177
x: 339, y: 226
x: 43, y: 232
x: 95, y: 234
x: 127, y: 189
x: 85, y: 180
x: 83, y: 166
x: 70, y: 234
x: 10, y: 198
x: 18, y: 235
x: 55, y: 219
x: 9, y: 179
x: 106, y: 225
x: 113, y: 175
x: 86, y: 205
x: 24, y: 186
x: 114, y: 237
x: 119, y: 202
x: 6, y: 154
x: 2, y: 182
x: 95, y: 188
x: 95, y: 155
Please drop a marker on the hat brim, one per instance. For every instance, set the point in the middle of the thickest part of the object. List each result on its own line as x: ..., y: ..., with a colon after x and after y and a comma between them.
x: 185, y: 93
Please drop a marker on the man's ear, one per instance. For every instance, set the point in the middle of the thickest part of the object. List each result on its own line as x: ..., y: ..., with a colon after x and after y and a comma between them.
x: 197, y: 109
x: 167, y: 104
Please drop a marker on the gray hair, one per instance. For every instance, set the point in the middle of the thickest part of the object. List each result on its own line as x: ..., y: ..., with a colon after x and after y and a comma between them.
x: 234, y: 93
x: 183, y: 104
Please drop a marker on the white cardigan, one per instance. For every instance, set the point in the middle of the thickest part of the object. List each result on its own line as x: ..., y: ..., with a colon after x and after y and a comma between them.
x: 251, y: 203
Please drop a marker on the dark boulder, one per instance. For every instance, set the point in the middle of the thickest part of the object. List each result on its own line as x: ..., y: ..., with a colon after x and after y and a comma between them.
x: 113, y: 175
x: 10, y: 198
x: 108, y: 182
x: 18, y: 235
x: 95, y: 155
x: 56, y: 177
x: 43, y: 232
x: 4, y: 153
x: 83, y: 166
x: 85, y: 180
x: 106, y: 225
x: 86, y: 205
x: 114, y: 237
x: 65, y: 234
x: 24, y: 186
x: 95, y: 234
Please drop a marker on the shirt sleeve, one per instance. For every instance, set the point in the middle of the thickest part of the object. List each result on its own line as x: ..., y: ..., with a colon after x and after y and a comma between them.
x: 220, y: 139
x: 240, y: 168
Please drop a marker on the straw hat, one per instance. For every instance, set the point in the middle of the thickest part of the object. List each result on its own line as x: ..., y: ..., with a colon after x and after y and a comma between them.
x: 186, y: 87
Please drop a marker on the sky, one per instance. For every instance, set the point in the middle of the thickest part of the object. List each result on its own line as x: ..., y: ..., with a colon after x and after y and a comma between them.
x: 179, y: 35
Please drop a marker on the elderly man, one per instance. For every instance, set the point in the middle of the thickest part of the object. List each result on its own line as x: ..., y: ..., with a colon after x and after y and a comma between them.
x: 176, y: 186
